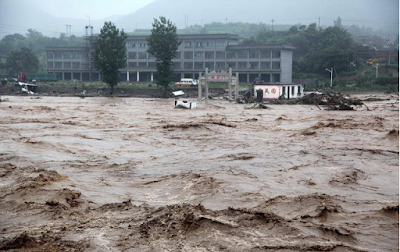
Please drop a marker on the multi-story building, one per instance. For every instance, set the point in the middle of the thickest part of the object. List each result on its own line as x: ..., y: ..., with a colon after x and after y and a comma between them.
x: 271, y: 63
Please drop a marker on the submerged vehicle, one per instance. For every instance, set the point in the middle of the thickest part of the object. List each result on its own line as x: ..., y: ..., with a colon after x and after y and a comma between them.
x: 26, y: 88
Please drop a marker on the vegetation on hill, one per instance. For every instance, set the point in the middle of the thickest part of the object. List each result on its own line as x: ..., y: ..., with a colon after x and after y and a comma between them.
x: 37, y: 43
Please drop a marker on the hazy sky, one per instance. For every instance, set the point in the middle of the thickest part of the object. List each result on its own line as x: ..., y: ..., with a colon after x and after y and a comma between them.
x: 97, y: 8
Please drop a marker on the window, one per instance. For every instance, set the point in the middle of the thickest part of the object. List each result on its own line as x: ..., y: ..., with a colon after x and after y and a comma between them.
x: 142, y: 45
x: 265, y: 65
x: 67, y: 65
x: 142, y: 55
x: 152, y: 64
x: 67, y: 76
x: 276, y: 78
x: 209, y: 55
x: 177, y: 65
x: 76, y: 65
x: 266, y: 54
x: 188, y: 44
x: 266, y: 77
x: 299, y: 90
x: 178, y: 55
x: 292, y: 90
x: 50, y: 55
x: 220, y: 55
x: 254, y: 54
x: 188, y: 55
x: 199, y: 55
x: 50, y: 64
x: 132, y: 64
x: 77, y: 55
x: 130, y: 45
x: 283, y: 90
x: 242, y: 65
x: 67, y: 55
x: 132, y: 55
x: 243, y: 54
x: 220, y: 43
x: 198, y: 44
x: 276, y: 54
x: 232, y: 65
x: 143, y: 64
x: 198, y: 65
x: 58, y: 55
x: 220, y: 65
x: 253, y: 65
x: 210, y: 44
x: 149, y: 56
x: 188, y: 65
x: 58, y: 65
x: 231, y: 55
x: 210, y: 65
x: 276, y: 65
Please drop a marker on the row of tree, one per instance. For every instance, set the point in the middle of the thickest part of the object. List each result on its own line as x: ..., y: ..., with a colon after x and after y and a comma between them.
x: 316, y: 48
x: 17, y: 48
x: 110, y: 52
x: 36, y: 42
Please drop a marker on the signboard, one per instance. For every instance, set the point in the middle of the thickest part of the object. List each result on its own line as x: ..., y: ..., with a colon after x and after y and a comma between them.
x: 269, y: 91
x: 215, y: 77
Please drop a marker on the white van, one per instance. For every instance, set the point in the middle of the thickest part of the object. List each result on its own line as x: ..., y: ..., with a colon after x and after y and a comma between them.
x: 186, y: 83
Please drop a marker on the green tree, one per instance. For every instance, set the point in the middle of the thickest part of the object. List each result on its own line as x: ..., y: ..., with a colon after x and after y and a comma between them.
x: 22, y: 60
x: 109, y: 54
x: 163, y: 44
x: 32, y: 33
x: 293, y: 30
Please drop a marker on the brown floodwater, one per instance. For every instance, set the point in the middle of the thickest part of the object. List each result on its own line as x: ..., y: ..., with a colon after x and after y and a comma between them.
x: 129, y: 174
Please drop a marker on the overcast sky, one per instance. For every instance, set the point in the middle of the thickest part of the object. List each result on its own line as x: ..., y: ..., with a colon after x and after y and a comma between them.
x: 98, y: 9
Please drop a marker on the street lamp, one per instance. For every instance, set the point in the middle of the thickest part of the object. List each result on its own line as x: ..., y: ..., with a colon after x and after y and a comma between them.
x: 331, y: 71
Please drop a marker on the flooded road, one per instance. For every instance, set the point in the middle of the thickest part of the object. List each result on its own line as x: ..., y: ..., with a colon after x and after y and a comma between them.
x: 127, y: 174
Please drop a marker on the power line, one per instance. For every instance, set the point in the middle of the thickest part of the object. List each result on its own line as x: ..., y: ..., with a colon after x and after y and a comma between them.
x: 13, y: 27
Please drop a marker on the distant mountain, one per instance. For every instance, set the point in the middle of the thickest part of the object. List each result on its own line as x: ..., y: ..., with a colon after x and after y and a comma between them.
x: 382, y: 14
x: 17, y: 17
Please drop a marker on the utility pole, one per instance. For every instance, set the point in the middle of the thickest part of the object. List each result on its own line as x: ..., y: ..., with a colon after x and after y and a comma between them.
x: 186, y: 21
x: 272, y: 21
x: 68, y: 30
x: 377, y: 72
x: 331, y: 71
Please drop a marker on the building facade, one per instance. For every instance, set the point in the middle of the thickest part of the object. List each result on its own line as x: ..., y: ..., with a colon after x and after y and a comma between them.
x: 271, y: 63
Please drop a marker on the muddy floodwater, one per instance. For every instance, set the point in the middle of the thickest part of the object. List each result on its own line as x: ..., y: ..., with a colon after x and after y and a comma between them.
x: 129, y: 174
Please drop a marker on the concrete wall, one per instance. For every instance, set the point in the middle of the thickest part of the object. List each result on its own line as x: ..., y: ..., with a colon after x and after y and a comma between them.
x: 286, y: 66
